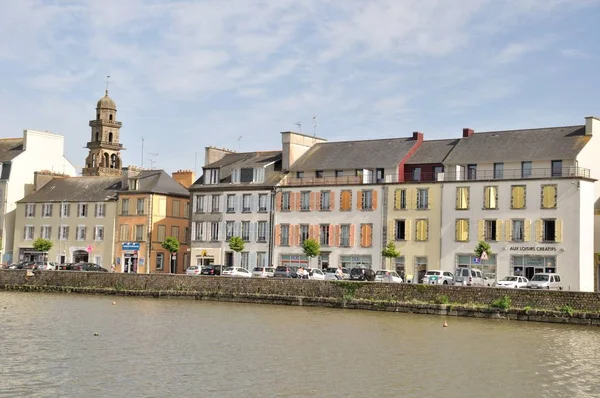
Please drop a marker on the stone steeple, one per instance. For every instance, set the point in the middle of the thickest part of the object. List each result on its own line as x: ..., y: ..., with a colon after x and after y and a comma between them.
x: 104, y: 158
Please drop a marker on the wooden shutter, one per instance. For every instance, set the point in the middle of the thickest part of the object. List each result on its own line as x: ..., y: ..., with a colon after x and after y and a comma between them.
x: 527, y: 231
x: 480, y: 230
x: 429, y: 199
x: 407, y: 230
x: 486, y: 197
x: 337, y: 235
x: 498, y: 230
x: 374, y: 199
x: 278, y: 235
x: 331, y: 200
x: 331, y: 239
x: 391, y: 235
x: 368, y: 237
x: 362, y: 235
x: 297, y: 201
x: 311, y: 200
x: 351, y: 235
x: 292, y: 199
x: 508, y: 226
x: 558, y: 230
x: 359, y: 200
x: 317, y: 232
x: 458, y: 230
x: 538, y: 230
x: 297, y: 237
x: 397, y: 196
x: 292, y: 235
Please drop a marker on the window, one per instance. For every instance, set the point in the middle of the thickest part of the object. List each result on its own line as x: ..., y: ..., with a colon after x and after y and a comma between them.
x: 549, y: 231
x: 299, y: 174
x: 200, y: 204
x: 422, y: 198
x: 416, y: 174
x: 400, y: 233
x: 214, y: 231
x: 160, y: 260
x: 462, y: 198
x: 259, y: 175
x: 284, y: 239
x: 490, y: 197
x: 437, y: 170
x: 526, y: 169
x: 46, y: 232
x: 319, y: 174
x: 124, y: 207
x: 557, y: 168
x: 100, y: 210
x: 261, y: 259
x: 324, y: 236
x: 549, y: 196
x: 176, y: 210
x: 82, y: 210
x: 81, y: 232
x: 47, y: 210
x: 199, y: 231
x: 471, y: 172
x: 133, y: 184
x: 285, y: 201
x: 141, y: 206
x: 186, y: 234
x: 229, y: 230
x: 215, y: 203
x: 400, y: 266
x: 325, y: 203
x: 345, y: 235
x: 367, y: 200
x: 236, y: 176
x: 350, y: 262
x: 125, y: 236
x: 304, y: 232
x: 498, y: 170
x: 346, y: 200
x: 161, y: 233
x: 263, y: 199
x: 400, y: 199
x: 28, y: 232
x: 186, y: 209
x: 63, y: 232
x: 262, y: 231
x: 246, y: 231
x: 246, y: 203
x: 213, y: 176
x: 339, y: 173
x: 175, y: 232
x: 30, y: 210
x: 517, y: 197
x: 490, y: 230
x: 244, y: 259
x: 366, y: 235
x: 517, y: 231
x: 422, y: 230
x: 98, y: 232
x: 461, y: 230
x: 305, y: 201
x: 139, y: 233
x: 65, y: 210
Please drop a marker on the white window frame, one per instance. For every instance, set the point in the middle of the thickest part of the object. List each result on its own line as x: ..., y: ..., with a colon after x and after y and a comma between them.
x: 78, y: 234
x: 99, y: 230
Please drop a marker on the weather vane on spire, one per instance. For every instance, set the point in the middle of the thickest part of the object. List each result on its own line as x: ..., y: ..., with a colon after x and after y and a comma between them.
x: 107, y: 83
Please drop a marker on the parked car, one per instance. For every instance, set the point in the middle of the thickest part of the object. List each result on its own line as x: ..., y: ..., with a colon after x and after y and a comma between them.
x: 238, y: 272
x: 284, y: 271
x: 193, y: 270
x: 45, y: 265
x: 489, y: 279
x: 263, y: 272
x: 65, y: 267
x: 19, y: 265
x: 362, y: 274
x: 90, y: 267
x: 316, y: 274
x: 545, y: 281
x: 213, y: 269
x: 438, y: 277
x: 516, y: 282
x: 29, y: 265
x: 387, y: 276
x: 330, y: 273
x: 468, y: 277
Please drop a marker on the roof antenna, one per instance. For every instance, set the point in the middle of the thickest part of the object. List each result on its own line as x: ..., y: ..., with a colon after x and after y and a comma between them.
x: 152, y: 161
x: 239, y: 139
x: 107, y: 83
x: 299, y: 124
x: 315, y: 126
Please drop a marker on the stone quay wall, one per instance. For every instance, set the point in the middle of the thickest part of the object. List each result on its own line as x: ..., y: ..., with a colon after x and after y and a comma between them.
x: 482, y: 302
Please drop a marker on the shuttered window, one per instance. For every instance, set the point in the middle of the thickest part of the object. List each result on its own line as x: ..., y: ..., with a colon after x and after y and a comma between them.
x: 490, y: 197
x: 366, y: 235
x: 549, y: 196
x: 422, y: 230
x: 346, y: 200
x: 461, y: 230
x: 517, y: 197
x: 462, y: 198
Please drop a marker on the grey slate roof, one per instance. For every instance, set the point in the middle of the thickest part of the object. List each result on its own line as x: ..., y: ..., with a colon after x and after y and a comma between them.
x: 10, y: 148
x: 434, y: 151
x: 518, y: 145
x: 233, y: 161
x: 346, y: 155
x: 158, y: 181
x: 76, y: 189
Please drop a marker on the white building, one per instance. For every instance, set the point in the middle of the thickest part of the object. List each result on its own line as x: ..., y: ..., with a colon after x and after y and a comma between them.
x: 19, y: 159
x: 530, y: 194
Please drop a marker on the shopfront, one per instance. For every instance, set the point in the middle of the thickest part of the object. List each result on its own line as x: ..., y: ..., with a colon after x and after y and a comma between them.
x: 356, y: 261
x: 131, y: 258
x: 488, y: 267
x: 530, y: 260
x: 294, y: 260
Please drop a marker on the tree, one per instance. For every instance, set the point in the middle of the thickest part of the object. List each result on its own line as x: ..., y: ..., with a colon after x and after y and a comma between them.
x: 236, y: 244
x: 481, y: 247
x: 42, y: 245
x: 311, y: 248
x: 390, y: 252
x: 172, y: 245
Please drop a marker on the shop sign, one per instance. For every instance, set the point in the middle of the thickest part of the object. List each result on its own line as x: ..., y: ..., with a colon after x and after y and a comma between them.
x: 533, y: 248
x: 130, y: 246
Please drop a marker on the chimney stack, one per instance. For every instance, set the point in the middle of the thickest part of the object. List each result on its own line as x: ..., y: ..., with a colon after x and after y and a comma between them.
x: 468, y: 132
x: 213, y: 154
x: 294, y: 145
x: 592, y: 125
x: 184, y: 177
x: 417, y: 135
x: 43, y: 177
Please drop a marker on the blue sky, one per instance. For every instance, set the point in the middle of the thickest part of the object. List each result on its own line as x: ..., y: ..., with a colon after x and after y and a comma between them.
x: 189, y: 74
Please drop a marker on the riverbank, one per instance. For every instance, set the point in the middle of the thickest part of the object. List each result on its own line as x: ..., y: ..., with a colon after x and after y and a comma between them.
x: 523, y: 305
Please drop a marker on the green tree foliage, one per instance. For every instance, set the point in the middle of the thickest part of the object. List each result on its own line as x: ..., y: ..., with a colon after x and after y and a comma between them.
x: 483, y: 247
x: 236, y: 244
x: 42, y: 245
x: 311, y: 248
x: 390, y: 252
x: 171, y: 244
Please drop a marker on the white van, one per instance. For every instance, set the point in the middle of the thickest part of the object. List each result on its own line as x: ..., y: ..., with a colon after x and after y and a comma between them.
x: 545, y: 281
x: 469, y: 277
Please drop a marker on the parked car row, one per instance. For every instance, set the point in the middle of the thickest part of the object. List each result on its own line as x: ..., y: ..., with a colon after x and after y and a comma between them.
x: 52, y: 266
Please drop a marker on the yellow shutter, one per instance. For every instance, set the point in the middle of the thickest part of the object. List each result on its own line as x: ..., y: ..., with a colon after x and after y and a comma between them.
x: 498, y: 230
x: 457, y: 204
x: 407, y: 230
x: 429, y: 199
x: 457, y: 230
x: 486, y: 197
x: 391, y: 230
x: 480, y: 229
x: 397, y: 196
x: 527, y: 234
x: 558, y: 231
x: 417, y: 229
x: 518, y: 197
x: 549, y: 196
x: 492, y: 198
x: 508, y: 228
x: 425, y: 229
x: 538, y: 230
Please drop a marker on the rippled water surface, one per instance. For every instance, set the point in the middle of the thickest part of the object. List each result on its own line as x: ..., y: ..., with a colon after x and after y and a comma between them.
x: 181, y: 348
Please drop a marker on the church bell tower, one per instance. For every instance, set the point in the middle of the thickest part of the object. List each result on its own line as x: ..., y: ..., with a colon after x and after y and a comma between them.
x: 104, y: 158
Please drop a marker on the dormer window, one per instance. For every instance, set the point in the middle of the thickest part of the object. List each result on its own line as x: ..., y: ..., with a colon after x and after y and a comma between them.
x: 299, y: 174
x: 212, y: 176
x: 235, y: 176
x: 259, y: 175
x: 133, y: 184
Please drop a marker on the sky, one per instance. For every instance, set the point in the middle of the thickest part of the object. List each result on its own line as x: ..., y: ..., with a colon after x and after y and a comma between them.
x: 235, y: 73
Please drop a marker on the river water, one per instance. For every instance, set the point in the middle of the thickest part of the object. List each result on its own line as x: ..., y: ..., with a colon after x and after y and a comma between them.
x: 185, y: 348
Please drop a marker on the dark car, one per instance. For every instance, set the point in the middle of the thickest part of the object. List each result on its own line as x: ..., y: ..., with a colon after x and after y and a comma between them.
x: 214, y: 269
x: 88, y: 267
x: 362, y: 274
x: 285, y: 272
x: 65, y: 267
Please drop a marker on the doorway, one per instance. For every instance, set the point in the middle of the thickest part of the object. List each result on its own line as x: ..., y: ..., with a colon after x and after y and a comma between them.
x: 130, y: 262
x: 229, y: 259
x: 80, y: 256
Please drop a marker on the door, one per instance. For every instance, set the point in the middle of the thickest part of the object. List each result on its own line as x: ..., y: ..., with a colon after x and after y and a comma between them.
x: 229, y: 259
x: 529, y: 272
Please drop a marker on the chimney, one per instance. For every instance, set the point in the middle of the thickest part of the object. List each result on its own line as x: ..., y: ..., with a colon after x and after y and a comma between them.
x: 212, y: 154
x: 127, y: 173
x: 184, y: 177
x: 294, y: 145
x: 592, y: 125
x: 417, y: 136
x: 468, y: 132
x: 41, y: 178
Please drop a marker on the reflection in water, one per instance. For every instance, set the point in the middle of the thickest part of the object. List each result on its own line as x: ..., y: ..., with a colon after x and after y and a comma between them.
x: 186, y: 348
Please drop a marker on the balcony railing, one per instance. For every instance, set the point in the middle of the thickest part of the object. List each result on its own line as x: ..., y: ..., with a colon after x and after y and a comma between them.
x: 467, y: 175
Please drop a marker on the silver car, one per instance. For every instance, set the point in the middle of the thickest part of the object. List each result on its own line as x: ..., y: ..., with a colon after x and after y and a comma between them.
x: 545, y: 281
x: 438, y: 277
x: 469, y: 277
x: 263, y: 272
